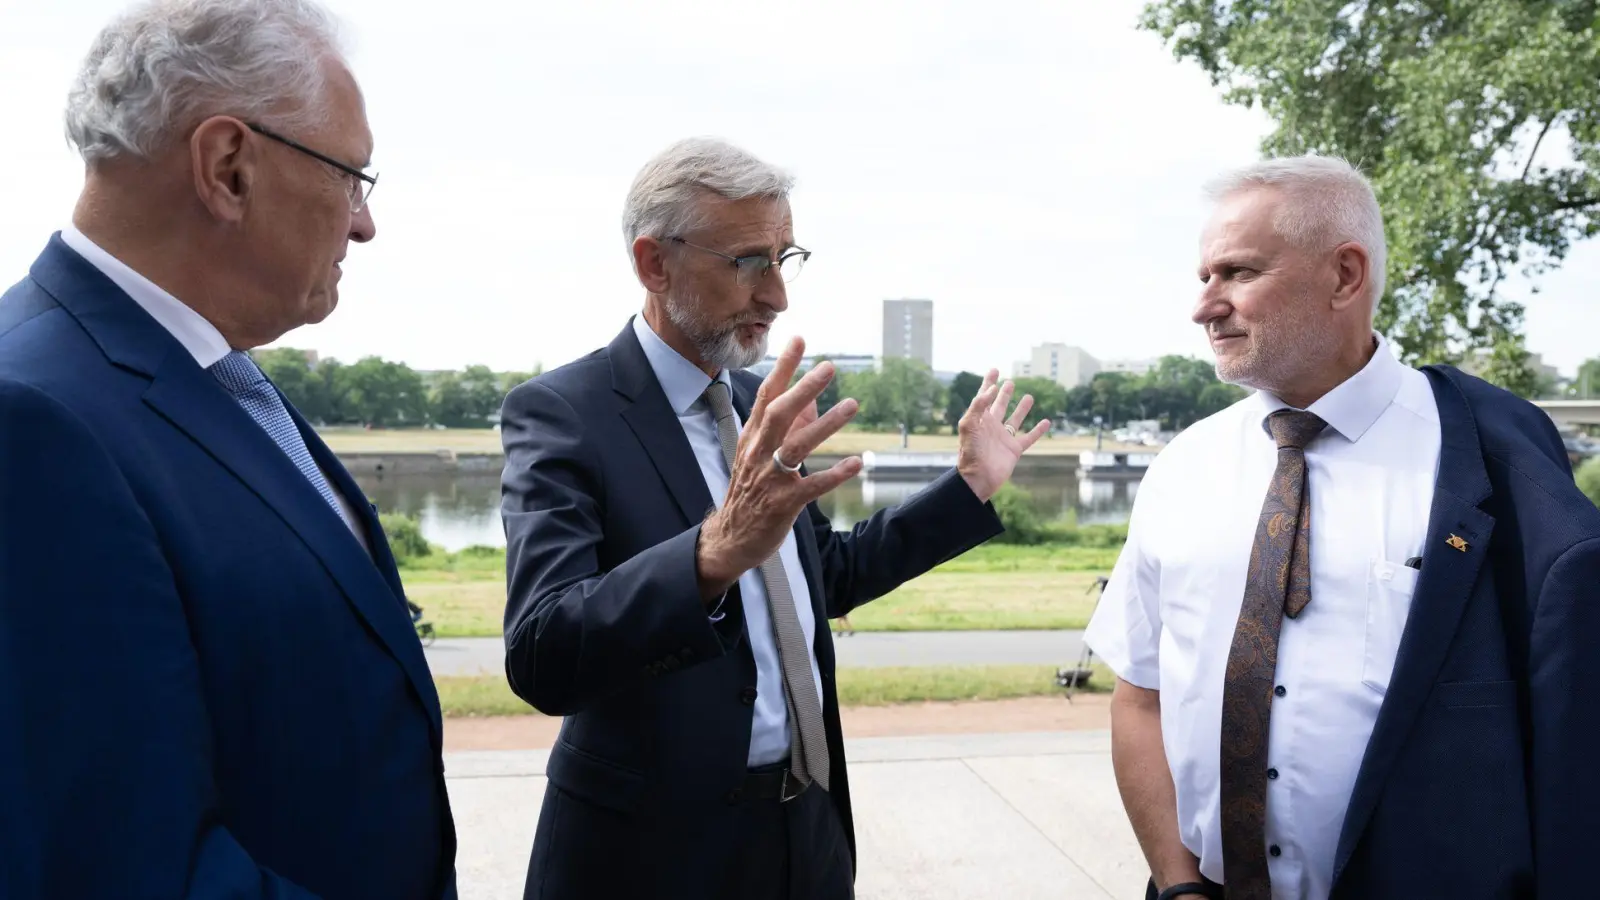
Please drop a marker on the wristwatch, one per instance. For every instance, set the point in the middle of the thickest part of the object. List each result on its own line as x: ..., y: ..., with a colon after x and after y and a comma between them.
x: 1209, y: 891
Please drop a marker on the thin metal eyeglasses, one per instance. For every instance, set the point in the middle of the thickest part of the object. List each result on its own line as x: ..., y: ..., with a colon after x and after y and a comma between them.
x: 751, y: 268
x: 361, y: 184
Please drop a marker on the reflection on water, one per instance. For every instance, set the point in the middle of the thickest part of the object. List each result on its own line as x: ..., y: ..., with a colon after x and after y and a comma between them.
x: 461, y: 510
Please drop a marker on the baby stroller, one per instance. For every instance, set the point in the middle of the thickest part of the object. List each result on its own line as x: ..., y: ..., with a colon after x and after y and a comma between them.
x: 424, y: 629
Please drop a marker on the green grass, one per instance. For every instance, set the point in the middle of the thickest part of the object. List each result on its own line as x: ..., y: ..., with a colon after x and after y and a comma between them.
x: 995, y: 586
x: 469, y: 696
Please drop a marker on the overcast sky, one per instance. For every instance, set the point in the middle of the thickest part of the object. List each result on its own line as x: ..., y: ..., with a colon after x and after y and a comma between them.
x: 1033, y: 167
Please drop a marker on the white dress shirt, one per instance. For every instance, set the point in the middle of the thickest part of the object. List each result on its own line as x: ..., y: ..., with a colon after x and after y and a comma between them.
x: 685, y: 386
x: 1166, y: 619
x: 197, y: 335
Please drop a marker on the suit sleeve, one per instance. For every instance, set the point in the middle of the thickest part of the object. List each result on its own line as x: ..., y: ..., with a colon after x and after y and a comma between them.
x: 1564, y: 661
x: 105, y: 758
x: 897, y: 544
x: 573, y: 633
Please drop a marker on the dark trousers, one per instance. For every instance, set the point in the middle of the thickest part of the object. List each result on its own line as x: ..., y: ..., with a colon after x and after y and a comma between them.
x: 791, y: 851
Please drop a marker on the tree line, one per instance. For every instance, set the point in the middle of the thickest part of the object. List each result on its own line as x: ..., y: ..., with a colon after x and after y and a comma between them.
x: 382, y: 394
x: 1177, y: 392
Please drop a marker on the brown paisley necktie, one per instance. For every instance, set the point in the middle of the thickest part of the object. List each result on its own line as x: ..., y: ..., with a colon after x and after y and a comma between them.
x: 1279, y: 582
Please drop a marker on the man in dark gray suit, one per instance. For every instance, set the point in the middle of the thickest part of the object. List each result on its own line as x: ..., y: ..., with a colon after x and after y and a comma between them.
x: 670, y: 574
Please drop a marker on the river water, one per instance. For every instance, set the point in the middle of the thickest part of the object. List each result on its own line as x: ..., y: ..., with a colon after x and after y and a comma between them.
x: 458, y: 511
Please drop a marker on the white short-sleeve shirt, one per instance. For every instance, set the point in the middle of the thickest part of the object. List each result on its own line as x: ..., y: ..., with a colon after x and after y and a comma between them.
x: 1166, y: 619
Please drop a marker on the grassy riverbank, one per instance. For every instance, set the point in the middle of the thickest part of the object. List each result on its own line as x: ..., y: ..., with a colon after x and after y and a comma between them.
x: 489, y: 695
x: 995, y: 586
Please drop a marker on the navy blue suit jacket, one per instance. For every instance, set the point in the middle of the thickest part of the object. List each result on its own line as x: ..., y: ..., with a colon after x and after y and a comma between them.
x: 207, y: 688
x: 603, y: 501
x: 1480, y: 777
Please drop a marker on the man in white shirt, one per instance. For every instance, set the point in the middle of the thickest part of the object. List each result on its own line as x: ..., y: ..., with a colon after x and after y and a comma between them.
x: 209, y: 681
x: 1271, y: 620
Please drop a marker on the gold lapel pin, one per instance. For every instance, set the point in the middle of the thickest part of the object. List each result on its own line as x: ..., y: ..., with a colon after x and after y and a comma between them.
x: 1456, y: 542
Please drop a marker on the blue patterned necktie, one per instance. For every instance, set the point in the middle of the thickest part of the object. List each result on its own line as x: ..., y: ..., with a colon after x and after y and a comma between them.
x: 239, y: 374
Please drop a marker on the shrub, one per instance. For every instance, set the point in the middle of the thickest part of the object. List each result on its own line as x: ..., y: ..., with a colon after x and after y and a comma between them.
x: 1014, y: 505
x: 1589, y: 478
x: 405, y: 537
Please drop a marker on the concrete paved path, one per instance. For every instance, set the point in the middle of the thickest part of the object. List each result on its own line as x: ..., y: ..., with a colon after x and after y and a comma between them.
x: 473, y: 656
x: 963, y: 817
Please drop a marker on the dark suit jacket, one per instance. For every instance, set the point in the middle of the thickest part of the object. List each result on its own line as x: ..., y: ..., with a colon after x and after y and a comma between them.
x: 1480, y: 777
x: 604, y: 624
x: 207, y: 688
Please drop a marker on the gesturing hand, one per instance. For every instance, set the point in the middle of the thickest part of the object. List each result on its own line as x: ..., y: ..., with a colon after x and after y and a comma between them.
x: 765, y: 494
x: 990, y: 443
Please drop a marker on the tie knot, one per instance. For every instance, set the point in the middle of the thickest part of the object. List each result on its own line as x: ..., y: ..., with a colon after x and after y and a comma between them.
x: 238, y: 372
x: 719, y: 399
x: 1294, y: 428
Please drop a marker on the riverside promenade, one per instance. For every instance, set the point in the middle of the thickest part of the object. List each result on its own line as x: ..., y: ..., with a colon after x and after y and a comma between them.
x: 1017, y: 816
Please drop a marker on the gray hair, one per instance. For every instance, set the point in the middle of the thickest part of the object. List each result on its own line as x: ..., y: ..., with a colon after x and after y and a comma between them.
x: 166, y: 65
x: 1328, y: 202
x: 664, y: 200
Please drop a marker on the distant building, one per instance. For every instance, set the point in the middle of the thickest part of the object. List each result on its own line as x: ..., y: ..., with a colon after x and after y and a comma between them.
x: 1475, y: 363
x: 1065, y: 365
x: 843, y: 363
x: 1130, y: 366
x: 908, y: 330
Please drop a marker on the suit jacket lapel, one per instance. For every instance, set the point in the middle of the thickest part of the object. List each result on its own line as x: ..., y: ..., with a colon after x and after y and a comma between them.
x: 656, y: 426
x: 1443, y: 588
x: 396, y: 631
x: 193, y: 402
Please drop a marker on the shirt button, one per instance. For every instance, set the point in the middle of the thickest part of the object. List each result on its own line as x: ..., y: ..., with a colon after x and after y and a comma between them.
x: 1280, y: 690
x: 748, y: 696
x: 1273, y: 774
x: 1275, y: 850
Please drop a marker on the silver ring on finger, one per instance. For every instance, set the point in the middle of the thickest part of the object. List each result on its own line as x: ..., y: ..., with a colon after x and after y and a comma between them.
x: 1011, y: 429
x: 777, y: 460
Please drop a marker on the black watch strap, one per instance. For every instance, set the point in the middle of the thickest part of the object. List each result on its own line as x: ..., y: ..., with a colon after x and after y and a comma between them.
x: 1210, y: 891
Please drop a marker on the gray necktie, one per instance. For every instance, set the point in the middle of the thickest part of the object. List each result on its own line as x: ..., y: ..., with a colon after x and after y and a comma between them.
x: 805, y: 712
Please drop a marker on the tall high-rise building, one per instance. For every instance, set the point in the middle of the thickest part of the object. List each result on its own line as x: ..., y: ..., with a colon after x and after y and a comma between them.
x: 908, y: 330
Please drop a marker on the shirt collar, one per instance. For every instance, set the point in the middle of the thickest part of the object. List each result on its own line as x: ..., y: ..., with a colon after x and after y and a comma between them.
x: 1353, y: 406
x: 197, y: 335
x: 683, y: 381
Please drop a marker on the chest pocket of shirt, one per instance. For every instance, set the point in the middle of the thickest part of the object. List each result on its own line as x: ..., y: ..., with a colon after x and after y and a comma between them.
x: 1390, y: 587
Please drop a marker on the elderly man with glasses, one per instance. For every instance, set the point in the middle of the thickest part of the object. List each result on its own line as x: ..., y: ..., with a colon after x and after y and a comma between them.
x: 670, y: 574
x: 209, y: 683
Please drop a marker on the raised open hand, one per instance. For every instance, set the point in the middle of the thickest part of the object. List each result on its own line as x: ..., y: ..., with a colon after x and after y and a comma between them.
x: 766, y: 491
x: 990, y: 442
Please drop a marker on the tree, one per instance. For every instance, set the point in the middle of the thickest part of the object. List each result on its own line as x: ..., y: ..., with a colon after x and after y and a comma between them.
x: 290, y: 370
x: 1049, y: 399
x: 1587, y: 385
x: 1446, y: 106
x: 962, y: 389
x: 384, y: 394
x: 904, y: 392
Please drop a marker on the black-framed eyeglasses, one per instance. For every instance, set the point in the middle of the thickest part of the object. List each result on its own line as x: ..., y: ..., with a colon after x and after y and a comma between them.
x: 750, y: 268
x: 361, y: 183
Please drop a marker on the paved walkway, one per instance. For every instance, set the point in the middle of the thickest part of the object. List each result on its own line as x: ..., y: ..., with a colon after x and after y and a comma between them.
x: 963, y: 817
x: 473, y: 656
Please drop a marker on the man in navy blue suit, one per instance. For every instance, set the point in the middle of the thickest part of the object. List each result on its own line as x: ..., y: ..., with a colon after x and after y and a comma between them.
x: 209, y: 683
x: 1358, y: 611
x: 671, y: 576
